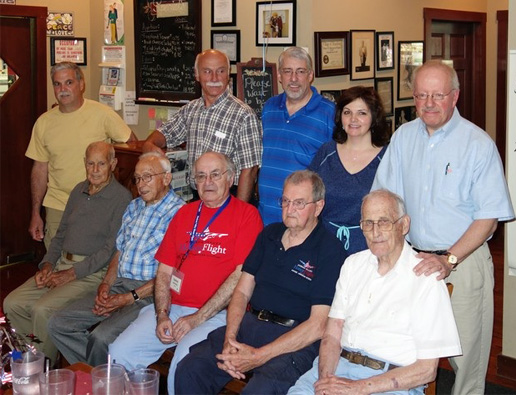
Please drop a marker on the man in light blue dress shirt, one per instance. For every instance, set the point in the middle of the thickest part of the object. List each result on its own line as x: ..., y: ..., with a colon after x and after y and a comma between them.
x: 451, y: 177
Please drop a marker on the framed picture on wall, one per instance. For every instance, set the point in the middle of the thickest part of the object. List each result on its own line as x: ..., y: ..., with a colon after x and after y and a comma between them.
x: 403, y: 115
x: 333, y: 95
x: 68, y: 50
x: 227, y: 41
x: 223, y: 13
x: 410, y: 55
x: 276, y: 23
x: 384, y: 87
x: 384, y: 50
x: 331, y: 53
x: 362, y: 54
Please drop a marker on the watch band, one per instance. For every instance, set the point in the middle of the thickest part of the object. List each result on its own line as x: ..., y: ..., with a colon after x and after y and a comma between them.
x: 135, y: 295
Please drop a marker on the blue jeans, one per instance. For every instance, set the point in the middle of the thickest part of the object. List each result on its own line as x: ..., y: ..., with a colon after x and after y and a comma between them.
x: 352, y: 371
x: 198, y: 373
x: 138, y: 346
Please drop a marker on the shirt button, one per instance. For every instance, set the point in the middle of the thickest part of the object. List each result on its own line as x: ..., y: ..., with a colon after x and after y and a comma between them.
x: 431, y: 145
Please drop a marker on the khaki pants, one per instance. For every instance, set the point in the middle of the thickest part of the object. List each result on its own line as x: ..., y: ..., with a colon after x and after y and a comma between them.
x: 52, y: 221
x: 473, y: 307
x: 28, y: 307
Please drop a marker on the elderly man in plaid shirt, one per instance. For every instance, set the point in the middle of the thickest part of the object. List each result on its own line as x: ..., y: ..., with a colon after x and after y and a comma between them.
x: 217, y: 122
x: 129, y: 282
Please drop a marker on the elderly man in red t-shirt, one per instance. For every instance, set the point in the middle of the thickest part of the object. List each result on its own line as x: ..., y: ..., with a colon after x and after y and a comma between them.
x: 200, y: 263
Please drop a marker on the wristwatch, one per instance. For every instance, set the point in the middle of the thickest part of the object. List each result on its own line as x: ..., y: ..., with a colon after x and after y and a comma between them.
x: 452, y: 260
x: 135, y: 295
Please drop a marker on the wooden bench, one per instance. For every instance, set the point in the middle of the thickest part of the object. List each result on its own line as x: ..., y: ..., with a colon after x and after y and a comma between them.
x: 161, y: 365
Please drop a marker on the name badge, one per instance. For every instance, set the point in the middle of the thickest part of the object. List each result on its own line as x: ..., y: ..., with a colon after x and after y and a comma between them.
x: 176, y: 281
x: 220, y: 135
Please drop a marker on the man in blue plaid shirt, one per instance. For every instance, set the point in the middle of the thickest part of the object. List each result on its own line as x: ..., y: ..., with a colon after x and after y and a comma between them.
x: 129, y: 282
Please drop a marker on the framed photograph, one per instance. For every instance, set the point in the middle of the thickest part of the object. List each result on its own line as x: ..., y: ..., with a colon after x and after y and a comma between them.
x: 384, y: 87
x: 331, y: 95
x: 68, y: 50
x: 227, y: 41
x: 384, y: 50
x: 362, y: 54
x: 390, y: 122
x: 331, y: 53
x: 410, y: 55
x: 223, y: 13
x: 233, y: 83
x: 403, y: 115
x: 276, y: 23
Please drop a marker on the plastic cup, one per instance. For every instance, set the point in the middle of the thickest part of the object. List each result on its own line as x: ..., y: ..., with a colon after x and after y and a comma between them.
x: 108, y: 381
x: 25, y: 372
x: 57, y: 382
x: 143, y: 382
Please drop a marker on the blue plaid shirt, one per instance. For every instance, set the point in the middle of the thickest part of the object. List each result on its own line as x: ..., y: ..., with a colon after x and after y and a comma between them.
x: 141, y: 233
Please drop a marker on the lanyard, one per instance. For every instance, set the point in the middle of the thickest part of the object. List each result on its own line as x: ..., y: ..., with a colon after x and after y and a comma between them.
x: 194, y: 236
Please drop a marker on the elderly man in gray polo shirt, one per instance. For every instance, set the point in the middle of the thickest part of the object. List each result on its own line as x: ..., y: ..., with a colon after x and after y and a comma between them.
x: 78, y: 254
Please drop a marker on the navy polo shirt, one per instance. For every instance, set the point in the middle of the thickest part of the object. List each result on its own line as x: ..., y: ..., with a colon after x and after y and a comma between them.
x: 289, y: 283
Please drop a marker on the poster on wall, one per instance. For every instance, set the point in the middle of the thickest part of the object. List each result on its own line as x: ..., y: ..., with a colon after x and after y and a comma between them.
x: 114, y: 22
x: 60, y: 24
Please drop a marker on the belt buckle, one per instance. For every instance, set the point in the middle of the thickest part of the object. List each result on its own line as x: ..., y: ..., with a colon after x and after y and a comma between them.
x: 263, y: 315
x: 356, y: 358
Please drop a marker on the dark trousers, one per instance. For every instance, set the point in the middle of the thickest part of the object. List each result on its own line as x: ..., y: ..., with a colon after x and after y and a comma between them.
x: 198, y: 373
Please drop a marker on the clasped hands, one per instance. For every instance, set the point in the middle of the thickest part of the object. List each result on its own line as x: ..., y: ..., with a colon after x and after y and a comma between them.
x: 46, y: 277
x: 168, y: 332
x: 106, y: 303
x: 237, y: 358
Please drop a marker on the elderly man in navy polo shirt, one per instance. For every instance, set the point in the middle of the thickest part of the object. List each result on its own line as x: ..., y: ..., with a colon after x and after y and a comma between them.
x: 280, y: 305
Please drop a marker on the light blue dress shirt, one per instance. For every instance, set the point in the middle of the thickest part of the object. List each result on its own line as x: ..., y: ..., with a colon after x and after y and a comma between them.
x: 447, y: 180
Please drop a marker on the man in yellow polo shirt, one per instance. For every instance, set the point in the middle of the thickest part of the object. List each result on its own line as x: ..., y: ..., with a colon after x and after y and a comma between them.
x: 59, y: 138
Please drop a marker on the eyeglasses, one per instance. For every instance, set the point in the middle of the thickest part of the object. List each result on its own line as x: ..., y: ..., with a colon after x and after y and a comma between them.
x: 214, y: 176
x: 146, y: 177
x: 434, y: 96
x: 298, y: 72
x: 298, y: 204
x: 383, y: 224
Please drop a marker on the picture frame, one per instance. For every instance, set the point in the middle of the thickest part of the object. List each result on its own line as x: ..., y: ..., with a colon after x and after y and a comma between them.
x: 233, y: 84
x: 384, y: 51
x: 227, y: 41
x: 72, y: 49
x: 276, y: 23
x: 332, y: 95
x: 223, y: 13
x: 410, y: 55
x: 403, y: 115
x: 385, y: 88
x: 362, y: 54
x: 331, y: 53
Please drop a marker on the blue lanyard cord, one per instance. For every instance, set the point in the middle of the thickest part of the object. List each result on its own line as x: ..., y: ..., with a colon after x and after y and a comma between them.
x: 343, y: 231
x: 194, y: 236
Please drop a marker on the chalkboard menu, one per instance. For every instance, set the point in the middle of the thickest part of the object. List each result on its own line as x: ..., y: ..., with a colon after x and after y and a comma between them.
x: 167, y: 40
x: 256, y: 83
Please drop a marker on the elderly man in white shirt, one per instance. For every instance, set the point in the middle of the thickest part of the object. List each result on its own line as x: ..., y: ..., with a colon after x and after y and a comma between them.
x: 387, y: 327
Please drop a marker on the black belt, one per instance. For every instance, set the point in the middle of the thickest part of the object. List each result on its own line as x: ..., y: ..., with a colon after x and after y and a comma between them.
x: 265, y: 315
x: 436, y: 252
x: 364, y: 360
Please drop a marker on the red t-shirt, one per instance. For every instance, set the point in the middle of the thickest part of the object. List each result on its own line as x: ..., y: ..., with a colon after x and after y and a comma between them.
x: 224, y: 245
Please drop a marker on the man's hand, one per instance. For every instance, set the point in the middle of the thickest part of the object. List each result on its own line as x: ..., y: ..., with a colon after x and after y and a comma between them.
x: 60, y: 278
x: 42, y: 276
x: 164, y: 329
x: 36, y: 227
x: 184, y: 325
x: 432, y: 263
x: 338, y: 385
x: 113, y: 302
x: 239, y: 358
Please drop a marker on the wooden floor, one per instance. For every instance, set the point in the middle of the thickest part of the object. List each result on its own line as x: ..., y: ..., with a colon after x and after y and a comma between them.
x: 14, y: 275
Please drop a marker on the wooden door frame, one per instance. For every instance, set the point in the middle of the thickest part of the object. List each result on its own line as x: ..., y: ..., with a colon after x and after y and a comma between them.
x: 39, y: 73
x: 501, y: 82
x: 479, y: 51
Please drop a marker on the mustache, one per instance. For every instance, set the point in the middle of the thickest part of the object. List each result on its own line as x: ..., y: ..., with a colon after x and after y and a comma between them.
x: 215, y: 84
